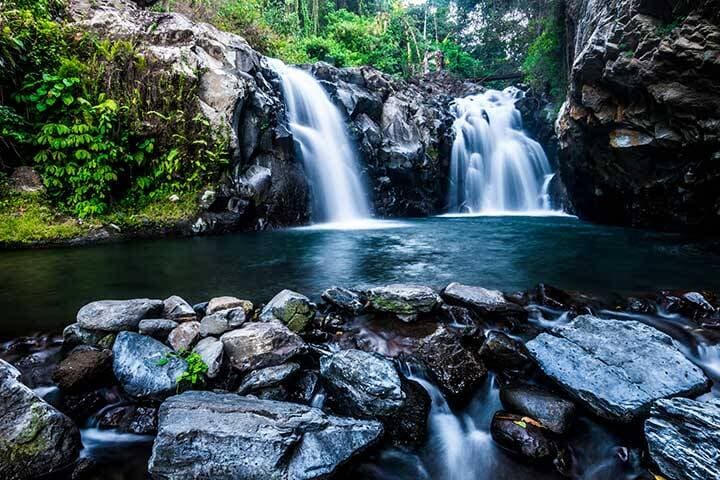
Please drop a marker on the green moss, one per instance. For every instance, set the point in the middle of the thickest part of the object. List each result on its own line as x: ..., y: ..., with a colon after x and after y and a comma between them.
x: 29, y: 442
x: 385, y: 304
x: 156, y: 212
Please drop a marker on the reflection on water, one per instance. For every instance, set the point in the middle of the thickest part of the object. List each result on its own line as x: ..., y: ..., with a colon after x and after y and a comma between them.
x: 44, y: 289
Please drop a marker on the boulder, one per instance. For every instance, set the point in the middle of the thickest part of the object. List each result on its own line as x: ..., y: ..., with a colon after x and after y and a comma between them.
x: 683, y: 438
x: 616, y: 368
x: 224, y: 303
x: 502, y: 351
x: 554, y: 413
x: 145, y: 367
x: 74, y: 335
x: 35, y: 439
x: 522, y: 435
x: 344, y: 299
x: 261, y: 344
x: 210, y: 350
x: 405, y: 301
x: 222, y: 321
x: 175, y: 308
x: 291, y: 308
x: 184, y: 336
x: 141, y: 420
x: 488, y: 303
x: 84, y: 368
x: 457, y: 369
x: 267, y: 377
x: 158, y: 328
x: 227, y: 436
x: 117, y: 315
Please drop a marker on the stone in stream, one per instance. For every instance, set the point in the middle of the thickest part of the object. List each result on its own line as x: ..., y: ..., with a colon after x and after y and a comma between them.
x: 145, y: 367
x: 84, y: 368
x: 291, y: 308
x: 267, y: 377
x: 405, y: 301
x: 184, y: 336
x: 210, y: 350
x: 616, y: 368
x: 175, y: 308
x: 35, y: 439
x: 683, y: 438
x: 491, y: 303
x: 158, y: 328
x: 224, y: 303
x: 502, y: 351
x: 344, y: 299
x: 553, y: 412
x: 118, y: 315
x: 74, y: 335
x: 222, y: 321
x: 261, y: 344
x: 228, y: 436
x: 522, y: 435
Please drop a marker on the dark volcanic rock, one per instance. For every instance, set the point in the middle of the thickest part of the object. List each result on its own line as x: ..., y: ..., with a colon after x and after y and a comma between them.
x: 502, y: 351
x: 522, y: 435
x: 261, y: 344
x: 117, y: 315
x: 227, y: 436
x: 553, y: 412
x: 616, y: 368
x: 35, y: 439
x: 85, y: 367
x: 683, y: 438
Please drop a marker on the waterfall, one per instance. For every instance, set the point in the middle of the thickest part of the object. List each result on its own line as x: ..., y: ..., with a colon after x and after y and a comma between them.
x: 495, y: 167
x: 324, y: 147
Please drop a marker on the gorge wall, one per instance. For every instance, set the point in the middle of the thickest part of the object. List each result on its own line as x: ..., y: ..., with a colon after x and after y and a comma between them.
x: 640, y: 131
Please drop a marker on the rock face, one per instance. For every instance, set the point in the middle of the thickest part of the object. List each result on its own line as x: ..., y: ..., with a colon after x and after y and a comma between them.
x: 291, y: 308
x: 35, y: 439
x: 143, y: 366
x: 226, y: 436
x: 406, y: 301
x: 616, y: 368
x: 640, y: 131
x: 117, y: 315
x: 261, y: 344
x: 683, y: 438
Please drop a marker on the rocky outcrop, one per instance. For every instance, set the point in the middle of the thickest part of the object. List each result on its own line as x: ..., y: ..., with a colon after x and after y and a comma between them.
x: 226, y: 436
x: 640, y: 131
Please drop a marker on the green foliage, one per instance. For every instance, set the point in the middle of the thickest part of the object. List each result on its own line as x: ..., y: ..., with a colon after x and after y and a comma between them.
x: 542, y: 66
x: 194, y: 374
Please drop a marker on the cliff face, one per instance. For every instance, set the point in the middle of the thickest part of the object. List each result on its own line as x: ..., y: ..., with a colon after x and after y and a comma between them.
x: 640, y: 130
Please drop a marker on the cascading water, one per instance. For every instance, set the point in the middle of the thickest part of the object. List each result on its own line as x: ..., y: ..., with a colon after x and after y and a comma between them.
x: 495, y: 166
x: 324, y: 147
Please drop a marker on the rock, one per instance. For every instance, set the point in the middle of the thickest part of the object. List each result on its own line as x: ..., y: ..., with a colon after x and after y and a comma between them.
x: 144, y: 366
x: 141, y: 420
x: 503, y: 351
x: 344, y: 299
x: 84, y: 368
x: 175, y: 308
x: 117, y: 315
x: 456, y: 368
x: 261, y: 344
x: 226, y: 436
x: 226, y: 303
x: 305, y: 387
x: 210, y: 350
x: 267, y: 377
x: 616, y: 368
x: 291, y: 308
x: 26, y: 179
x: 487, y: 303
x: 553, y: 412
x: 207, y: 199
x: 683, y: 438
x: 159, y: 329
x: 522, y: 435
x: 185, y: 336
x: 256, y: 183
x: 405, y: 301
x: 201, y: 309
x: 222, y: 321
x: 35, y: 439
x: 74, y: 335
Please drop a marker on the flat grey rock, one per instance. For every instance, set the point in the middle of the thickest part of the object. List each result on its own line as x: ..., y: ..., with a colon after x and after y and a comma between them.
x: 616, y: 368
x: 222, y: 321
x: 158, y: 328
x: 481, y: 299
x: 210, y: 350
x: 118, y: 315
x: 403, y: 300
x: 261, y: 344
x: 267, y: 377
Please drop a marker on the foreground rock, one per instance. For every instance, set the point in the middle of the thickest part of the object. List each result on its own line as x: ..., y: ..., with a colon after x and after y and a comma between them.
x: 210, y: 350
x: 176, y: 308
x: 488, y: 303
x: 145, y: 367
x: 616, y: 368
x: 83, y: 368
x: 683, y: 438
x: 35, y: 439
x: 227, y: 436
x: 261, y: 344
x: 405, y: 301
x: 291, y: 308
x: 344, y: 299
x: 502, y: 351
x: 117, y: 315
x: 553, y: 412
x: 522, y: 435
x: 185, y: 336
x: 74, y: 335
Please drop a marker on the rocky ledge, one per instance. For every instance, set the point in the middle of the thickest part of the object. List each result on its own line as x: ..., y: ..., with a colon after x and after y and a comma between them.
x: 296, y: 389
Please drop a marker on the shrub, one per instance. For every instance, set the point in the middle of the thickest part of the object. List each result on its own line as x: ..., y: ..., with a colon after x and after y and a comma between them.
x: 543, y: 64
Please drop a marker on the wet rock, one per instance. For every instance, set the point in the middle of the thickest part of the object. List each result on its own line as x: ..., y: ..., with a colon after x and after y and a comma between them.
x: 261, y: 344
x: 291, y: 308
x: 305, y: 387
x: 456, y: 368
x: 692, y: 305
x: 175, y: 308
x: 225, y: 303
x: 503, y: 351
x: 74, y: 335
x: 141, y: 420
x: 405, y: 301
x: 117, y: 315
x: 616, y: 368
x: 684, y: 439
x: 522, y: 435
x: 488, y: 303
x: 222, y: 321
x: 184, y: 336
x: 210, y: 350
x: 255, y: 183
x: 344, y: 299
x: 38, y: 367
x: 552, y: 297
x: 84, y: 368
x: 553, y: 412
x: 158, y: 328
x: 201, y: 309
x: 267, y: 377
x: 242, y: 437
x: 35, y: 439
x: 144, y: 366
